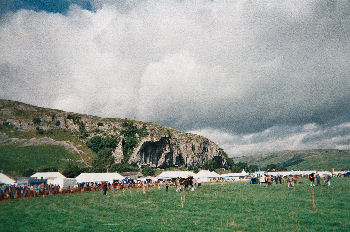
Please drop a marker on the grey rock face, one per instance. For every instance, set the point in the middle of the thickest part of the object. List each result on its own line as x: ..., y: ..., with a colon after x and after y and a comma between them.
x: 175, y: 149
x: 118, y: 153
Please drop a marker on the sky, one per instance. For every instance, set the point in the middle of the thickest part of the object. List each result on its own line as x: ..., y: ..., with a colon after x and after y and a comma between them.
x: 253, y: 76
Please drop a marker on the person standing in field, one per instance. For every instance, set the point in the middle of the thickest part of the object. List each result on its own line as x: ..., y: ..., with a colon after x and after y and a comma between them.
x: 294, y: 180
x: 177, y: 184
x: 312, y: 179
x: 290, y: 181
x: 328, y: 180
x: 268, y: 179
x: 195, y: 184
x: 318, y: 180
x: 104, y: 187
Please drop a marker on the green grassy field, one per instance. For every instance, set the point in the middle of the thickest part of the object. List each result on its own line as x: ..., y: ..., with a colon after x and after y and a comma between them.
x: 228, y: 207
x: 14, y: 159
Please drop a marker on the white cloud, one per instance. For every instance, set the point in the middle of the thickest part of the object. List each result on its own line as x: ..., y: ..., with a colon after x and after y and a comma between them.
x: 240, y: 67
x: 309, y: 136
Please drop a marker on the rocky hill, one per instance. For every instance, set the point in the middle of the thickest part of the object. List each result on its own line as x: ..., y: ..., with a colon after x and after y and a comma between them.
x: 144, y: 143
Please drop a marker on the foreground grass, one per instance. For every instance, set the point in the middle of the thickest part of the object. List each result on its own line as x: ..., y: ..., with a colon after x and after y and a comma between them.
x: 228, y: 207
x: 14, y: 159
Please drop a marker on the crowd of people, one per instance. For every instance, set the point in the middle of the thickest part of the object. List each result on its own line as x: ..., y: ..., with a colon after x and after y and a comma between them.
x: 317, y: 177
x: 9, y: 192
x: 292, y: 180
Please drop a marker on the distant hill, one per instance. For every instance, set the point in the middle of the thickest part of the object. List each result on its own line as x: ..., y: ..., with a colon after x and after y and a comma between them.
x: 58, y: 137
x: 317, y: 159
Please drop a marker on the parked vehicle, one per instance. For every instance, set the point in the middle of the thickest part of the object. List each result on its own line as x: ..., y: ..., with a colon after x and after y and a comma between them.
x: 347, y: 174
x: 255, y: 180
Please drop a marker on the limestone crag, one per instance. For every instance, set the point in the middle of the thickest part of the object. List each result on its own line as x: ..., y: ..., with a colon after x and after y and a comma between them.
x: 175, y: 149
x: 144, y: 143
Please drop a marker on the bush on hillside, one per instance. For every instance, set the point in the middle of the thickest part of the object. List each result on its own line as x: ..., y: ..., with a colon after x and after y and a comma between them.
x: 215, y: 163
x: 210, y: 165
x: 72, y: 170
x: 132, y: 135
x: 103, y: 161
x: 40, y: 131
x: 98, y: 143
x: 124, y: 167
x: 76, y: 118
x: 179, y: 160
x: 27, y: 172
x: 193, y: 168
x: 95, y: 143
x: 37, y: 121
x: 148, y: 171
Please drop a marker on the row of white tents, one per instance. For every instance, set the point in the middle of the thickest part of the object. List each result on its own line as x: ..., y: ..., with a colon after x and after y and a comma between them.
x: 297, y: 173
x: 57, y: 178
x: 202, y: 176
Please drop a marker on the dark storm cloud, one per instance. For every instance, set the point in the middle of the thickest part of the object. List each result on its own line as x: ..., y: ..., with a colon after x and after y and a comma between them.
x: 250, y: 72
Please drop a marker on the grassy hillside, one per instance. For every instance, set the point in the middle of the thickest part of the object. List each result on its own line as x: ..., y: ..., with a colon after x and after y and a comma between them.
x: 17, y: 160
x: 216, y: 207
x: 302, y: 160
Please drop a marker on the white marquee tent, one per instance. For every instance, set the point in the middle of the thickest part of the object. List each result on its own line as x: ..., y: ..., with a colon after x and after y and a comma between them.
x: 235, y: 176
x: 175, y: 174
x: 6, y: 180
x: 207, y: 176
x: 64, y: 182
x: 50, y: 176
x: 98, y: 177
x: 47, y: 175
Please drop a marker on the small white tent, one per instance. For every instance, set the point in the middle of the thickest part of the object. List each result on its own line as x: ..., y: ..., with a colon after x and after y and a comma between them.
x: 244, y: 173
x: 235, y: 176
x: 50, y: 176
x: 64, y: 182
x: 174, y: 174
x: 98, y: 177
x: 207, y: 176
x: 6, y: 180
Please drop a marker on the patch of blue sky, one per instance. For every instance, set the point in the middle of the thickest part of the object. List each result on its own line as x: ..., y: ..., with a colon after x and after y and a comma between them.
x: 50, y: 6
